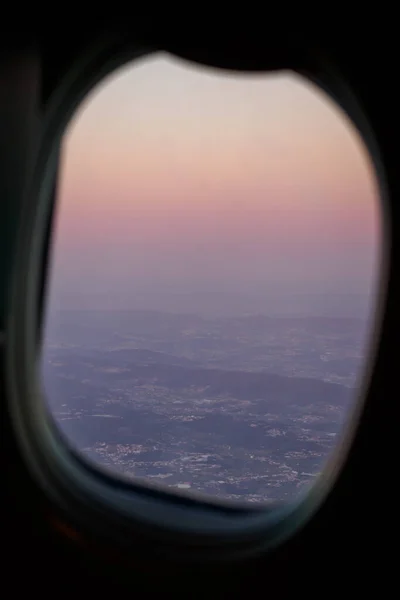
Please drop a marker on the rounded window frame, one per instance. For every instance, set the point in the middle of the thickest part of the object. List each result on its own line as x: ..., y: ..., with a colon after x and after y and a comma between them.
x: 207, y: 530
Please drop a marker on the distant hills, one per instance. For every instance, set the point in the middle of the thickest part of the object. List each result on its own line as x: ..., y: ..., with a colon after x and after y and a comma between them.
x: 141, y: 368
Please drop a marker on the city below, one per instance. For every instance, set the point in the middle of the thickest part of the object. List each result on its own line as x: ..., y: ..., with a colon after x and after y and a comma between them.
x: 244, y: 408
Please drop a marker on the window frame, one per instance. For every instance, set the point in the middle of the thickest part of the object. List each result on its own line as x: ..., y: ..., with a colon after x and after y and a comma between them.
x: 191, y: 529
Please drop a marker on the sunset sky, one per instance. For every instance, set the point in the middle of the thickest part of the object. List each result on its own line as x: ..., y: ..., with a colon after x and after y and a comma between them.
x: 179, y: 180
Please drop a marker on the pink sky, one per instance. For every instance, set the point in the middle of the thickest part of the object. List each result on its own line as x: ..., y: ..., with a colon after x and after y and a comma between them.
x: 183, y: 179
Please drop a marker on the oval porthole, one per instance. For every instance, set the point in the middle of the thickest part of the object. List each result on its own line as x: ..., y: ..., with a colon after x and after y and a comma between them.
x: 213, y: 280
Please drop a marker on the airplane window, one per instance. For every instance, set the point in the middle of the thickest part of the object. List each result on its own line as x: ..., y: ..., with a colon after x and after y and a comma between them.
x: 213, y: 279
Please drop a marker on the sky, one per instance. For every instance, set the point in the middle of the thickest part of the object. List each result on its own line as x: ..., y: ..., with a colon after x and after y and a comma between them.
x: 180, y: 183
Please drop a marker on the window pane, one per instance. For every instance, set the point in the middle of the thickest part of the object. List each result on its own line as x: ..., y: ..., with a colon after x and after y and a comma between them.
x: 213, y: 277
